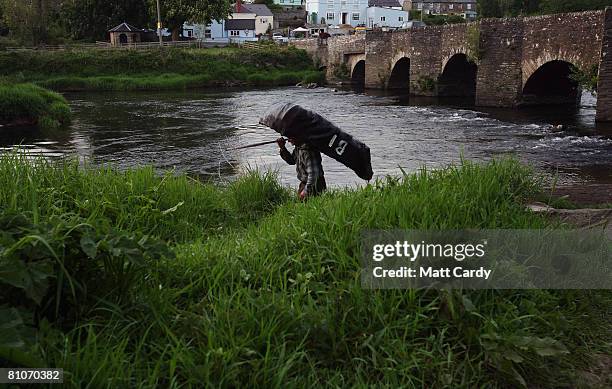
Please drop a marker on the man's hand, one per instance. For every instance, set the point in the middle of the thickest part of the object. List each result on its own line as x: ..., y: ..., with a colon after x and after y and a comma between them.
x: 281, y: 142
x: 303, y: 195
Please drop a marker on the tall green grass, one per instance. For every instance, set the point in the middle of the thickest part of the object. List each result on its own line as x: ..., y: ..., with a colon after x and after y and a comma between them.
x: 180, y: 81
x: 259, y: 289
x: 160, y: 69
x: 171, y: 207
x: 32, y: 105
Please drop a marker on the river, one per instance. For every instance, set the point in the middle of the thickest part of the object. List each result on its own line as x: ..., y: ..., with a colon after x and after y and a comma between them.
x: 190, y: 131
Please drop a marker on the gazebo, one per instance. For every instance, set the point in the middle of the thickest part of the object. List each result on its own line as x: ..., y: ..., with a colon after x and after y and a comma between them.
x: 125, y: 34
x: 300, y: 30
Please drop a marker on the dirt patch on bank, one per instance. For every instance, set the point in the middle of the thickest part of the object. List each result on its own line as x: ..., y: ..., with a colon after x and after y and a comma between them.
x: 586, y: 194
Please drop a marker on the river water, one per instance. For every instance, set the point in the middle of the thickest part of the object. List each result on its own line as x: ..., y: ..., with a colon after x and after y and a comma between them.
x: 190, y: 131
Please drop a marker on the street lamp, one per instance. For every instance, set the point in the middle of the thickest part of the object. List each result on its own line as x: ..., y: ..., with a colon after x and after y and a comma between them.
x: 159, y: 25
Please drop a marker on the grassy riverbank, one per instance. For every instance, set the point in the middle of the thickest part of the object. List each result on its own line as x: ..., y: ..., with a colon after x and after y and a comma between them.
x: 152, y: 281
x: 28, y: 104
x: 160, y: 69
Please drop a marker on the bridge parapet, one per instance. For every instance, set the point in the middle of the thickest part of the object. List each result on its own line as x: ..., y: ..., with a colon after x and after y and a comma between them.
x: 334, y: 53
x: 316, y: 48
x: 340, y: 50
x: 499, y: 62
x: 575, y: 38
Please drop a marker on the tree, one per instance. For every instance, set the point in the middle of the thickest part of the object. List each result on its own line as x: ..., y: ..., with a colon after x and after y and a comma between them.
x: 176, y: 12
x: 3, y: 28
x: 499, y: 8
x: 91, y: 19
x: 489, y: 9
x: 556, y: 6
x: 29, y: 21
x: 270, y: 4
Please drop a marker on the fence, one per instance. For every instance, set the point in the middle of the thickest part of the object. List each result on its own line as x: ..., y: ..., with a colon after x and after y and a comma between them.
x: 131, y: 46
x: 194, y: 44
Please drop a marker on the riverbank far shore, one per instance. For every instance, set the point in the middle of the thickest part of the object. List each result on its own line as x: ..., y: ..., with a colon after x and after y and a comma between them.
x: 162, y: 280
x: 155, y: 69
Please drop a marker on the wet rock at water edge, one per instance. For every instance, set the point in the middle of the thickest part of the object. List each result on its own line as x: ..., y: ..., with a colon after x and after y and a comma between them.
x: 311, y: 85
x: 559, y: 128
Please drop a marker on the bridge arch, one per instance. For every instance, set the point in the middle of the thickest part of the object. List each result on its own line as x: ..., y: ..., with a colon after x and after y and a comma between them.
x: 358, y: 74
x: 400, y: 74
x: 458, y: 77
x: 551, y: 83
x: 352, y: 59
x: 453, y: 51
x: 529, y: 67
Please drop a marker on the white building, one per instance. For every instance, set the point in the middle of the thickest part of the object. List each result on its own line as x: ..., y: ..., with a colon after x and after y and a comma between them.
x: 386, y: 17
x: 247, y: 23
x: 202, y: 32
x: 240, y: 30
x: 231, y: 30
x: 335, y: 12
x: 369, y: 13
x: 386, y: 13
x: 264, y: 18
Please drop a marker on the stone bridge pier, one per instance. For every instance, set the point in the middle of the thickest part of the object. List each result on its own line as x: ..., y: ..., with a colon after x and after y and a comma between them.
x: 508, y: 62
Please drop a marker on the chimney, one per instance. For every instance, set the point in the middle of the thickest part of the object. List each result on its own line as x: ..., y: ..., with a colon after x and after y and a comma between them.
x: 238, y: 6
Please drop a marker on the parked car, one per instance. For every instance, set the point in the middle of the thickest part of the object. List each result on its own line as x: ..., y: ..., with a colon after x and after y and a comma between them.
x: 413, y: 24
x: 278, y: 37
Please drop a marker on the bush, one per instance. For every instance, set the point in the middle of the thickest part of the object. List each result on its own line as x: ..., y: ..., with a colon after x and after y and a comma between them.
x: 257, y: 79
x: 314, y: 77
x: 59, y: 269
x: 7, y: 42
x: 32, y: 105
x: 438, y: 20
x: 256, y: 194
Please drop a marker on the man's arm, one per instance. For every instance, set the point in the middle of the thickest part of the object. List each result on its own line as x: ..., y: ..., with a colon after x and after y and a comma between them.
x: 284, y: 153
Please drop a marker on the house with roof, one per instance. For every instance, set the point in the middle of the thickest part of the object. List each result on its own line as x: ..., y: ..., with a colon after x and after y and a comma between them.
x: 393, y: 4
x: 386, y: 13
x: 334, y: 13
x: 264, y: 18
x: 465, y: 8
x: 125, y: 34
x: 240, y: 30
x: 247, y: 23
x: 224, y: 31
x: 370, y: 13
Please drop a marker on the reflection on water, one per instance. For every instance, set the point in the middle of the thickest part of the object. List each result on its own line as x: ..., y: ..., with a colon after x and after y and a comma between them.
x: 190, y: 131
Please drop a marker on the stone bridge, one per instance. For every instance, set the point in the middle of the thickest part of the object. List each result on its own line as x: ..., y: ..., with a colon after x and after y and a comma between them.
x: 499, y: 62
